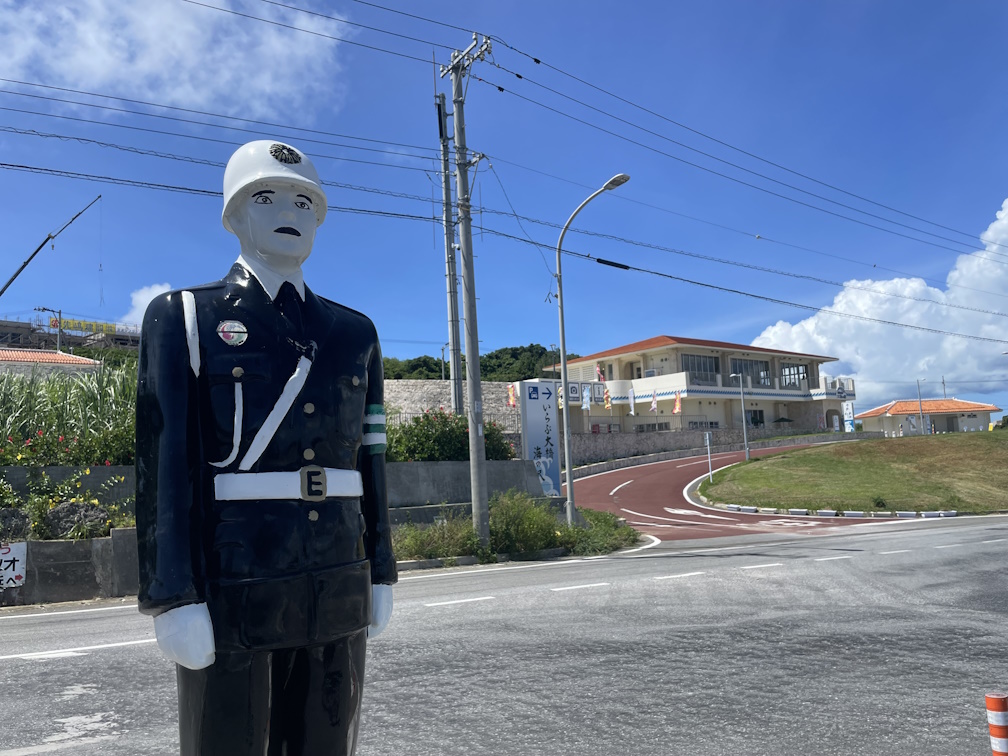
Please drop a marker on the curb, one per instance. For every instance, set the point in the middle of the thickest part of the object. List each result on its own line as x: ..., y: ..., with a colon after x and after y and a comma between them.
x: 408, y: 565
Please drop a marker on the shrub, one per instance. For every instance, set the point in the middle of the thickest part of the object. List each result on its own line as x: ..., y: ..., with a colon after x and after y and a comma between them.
x: 518, y: 524
x: 452, y: 535
x: 604, y: 533
x: 439, y: 436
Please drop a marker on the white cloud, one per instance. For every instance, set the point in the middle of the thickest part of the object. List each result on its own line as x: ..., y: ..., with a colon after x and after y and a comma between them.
x: 175, y: 53
x: 877, y: 355
x: 140, y: 299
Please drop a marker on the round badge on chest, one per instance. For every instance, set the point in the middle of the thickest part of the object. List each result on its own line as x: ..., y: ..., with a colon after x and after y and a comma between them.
x: 232, y: 332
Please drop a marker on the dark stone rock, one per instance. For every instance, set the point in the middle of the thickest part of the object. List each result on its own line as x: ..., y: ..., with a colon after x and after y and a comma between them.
x: 14, y: 525
x: 62, y: 518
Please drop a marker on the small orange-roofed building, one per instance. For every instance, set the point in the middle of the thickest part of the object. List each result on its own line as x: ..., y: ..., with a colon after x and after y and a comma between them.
x: 44, y: 362
x: 902, y: 416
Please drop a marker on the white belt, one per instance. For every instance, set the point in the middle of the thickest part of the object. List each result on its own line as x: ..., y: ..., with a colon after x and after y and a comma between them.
x: 309, y: 483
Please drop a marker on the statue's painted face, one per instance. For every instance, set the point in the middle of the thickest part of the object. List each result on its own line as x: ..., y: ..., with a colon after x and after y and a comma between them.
x: 278, y: 224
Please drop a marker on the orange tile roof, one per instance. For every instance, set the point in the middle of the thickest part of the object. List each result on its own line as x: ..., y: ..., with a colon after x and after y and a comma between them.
x: 43, y: 356
x: 658, y: 342
x: 930, y: 407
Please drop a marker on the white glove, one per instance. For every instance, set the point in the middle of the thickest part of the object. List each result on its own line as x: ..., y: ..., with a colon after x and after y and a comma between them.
x: 381, y: 609
x: 185, y: 635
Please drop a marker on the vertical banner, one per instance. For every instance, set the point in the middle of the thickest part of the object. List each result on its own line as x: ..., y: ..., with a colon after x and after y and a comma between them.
x: 848, y: 417
x: 631, y: 398
x: 539, y: 436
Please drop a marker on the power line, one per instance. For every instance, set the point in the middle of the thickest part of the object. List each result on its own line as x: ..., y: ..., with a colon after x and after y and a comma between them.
x: 193, y: 122
x: 309, y: 31
x: 728, y: 162
x: 201, y: 138
x: 725, y: 175
x: 221, y: 116
x: 723, y: 143
x: 750, y: 295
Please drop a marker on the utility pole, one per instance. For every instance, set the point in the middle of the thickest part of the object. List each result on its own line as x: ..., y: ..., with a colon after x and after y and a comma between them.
x: 451, y: 274
x: 943, y: 388
x: 460, y: 62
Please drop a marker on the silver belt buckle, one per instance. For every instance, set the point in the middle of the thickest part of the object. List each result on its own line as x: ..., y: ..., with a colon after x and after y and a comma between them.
x: 313, y: 483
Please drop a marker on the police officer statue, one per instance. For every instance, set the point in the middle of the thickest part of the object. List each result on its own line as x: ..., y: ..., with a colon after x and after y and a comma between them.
x: 262, y: 515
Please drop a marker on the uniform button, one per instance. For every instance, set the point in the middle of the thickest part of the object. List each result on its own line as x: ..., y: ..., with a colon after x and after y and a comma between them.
x: 309, y: 408
x: 356, y: 381
x: 238, y: 372
x: 309, y: 454
x: 313, y: 515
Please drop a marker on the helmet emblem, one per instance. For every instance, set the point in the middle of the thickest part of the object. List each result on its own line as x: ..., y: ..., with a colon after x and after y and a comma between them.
x: 285, y: 154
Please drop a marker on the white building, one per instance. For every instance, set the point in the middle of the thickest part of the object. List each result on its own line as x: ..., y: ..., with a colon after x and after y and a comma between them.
x: 901, y: 417
x: 781, y: 389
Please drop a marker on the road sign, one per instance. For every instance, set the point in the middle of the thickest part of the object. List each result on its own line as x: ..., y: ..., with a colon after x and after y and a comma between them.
x: 540, y: 432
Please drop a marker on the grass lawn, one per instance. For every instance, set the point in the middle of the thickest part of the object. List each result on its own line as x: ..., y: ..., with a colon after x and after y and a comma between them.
x: 967, y: 472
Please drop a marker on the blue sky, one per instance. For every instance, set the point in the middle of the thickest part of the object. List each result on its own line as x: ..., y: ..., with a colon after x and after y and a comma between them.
x: 900, y: 105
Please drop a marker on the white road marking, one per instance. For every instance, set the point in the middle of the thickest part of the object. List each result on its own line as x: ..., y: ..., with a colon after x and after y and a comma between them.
x: 44, y: 654
x: 996, y: 540
x: 620, y: 486
x: 50, y: 747
x: 948, y: 546
x: 704, y: 460
x: 760, y: 566
x: 577, y: 587
x: 654, y: 542
x: 36, y: 615
x: 476, y: 571
x: 461, y: 601
x: 680, y: 575
x: 694, y: 513
x: 898, y: 551
x: 681, y: 522
x: 830, y: 559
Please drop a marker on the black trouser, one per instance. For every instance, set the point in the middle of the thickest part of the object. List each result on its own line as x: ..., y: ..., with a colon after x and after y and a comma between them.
x: 287, y: 702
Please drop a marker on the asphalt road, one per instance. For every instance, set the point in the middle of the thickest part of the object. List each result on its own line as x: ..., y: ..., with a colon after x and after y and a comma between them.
x: 881, y: 639
x: 653, y: 499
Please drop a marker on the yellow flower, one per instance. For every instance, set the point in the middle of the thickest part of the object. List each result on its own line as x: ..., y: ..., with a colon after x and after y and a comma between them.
x: 19, y: 456
x: 78, y: 484
x: 87, y: 470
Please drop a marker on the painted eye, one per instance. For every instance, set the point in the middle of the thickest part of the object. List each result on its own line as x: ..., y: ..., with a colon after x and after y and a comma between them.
x: 302, y: 204
x: 262, y: 199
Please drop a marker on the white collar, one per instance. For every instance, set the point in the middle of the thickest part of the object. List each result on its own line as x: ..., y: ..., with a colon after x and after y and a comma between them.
x: 271, y: 280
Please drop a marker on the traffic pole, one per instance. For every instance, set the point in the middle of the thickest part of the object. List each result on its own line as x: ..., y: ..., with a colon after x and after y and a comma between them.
x: 997, y: 722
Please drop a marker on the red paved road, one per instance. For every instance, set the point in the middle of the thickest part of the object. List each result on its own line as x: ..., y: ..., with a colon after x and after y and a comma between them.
x: 651, y: 498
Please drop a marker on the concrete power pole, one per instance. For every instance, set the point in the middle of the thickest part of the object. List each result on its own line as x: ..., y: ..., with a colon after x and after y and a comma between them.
x: 460, y: 62
x: 451, y: 274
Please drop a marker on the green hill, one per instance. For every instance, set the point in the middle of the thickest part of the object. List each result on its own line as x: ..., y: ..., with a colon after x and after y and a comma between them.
x: 967, y: 472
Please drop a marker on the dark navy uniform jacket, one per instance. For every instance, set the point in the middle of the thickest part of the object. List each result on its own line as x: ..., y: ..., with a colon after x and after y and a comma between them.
x: 274, y: 571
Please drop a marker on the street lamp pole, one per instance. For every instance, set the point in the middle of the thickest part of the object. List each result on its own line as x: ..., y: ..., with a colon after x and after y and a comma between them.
x: 745, y: 437
x: 920, y: 405
x: 618, y: 180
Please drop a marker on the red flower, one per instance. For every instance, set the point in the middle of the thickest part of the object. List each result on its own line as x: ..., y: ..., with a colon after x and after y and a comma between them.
x: 61, y: 439
x: 10, y: 439
x: 107, y: 463
x: 28, y: 442
x: 40, y: 433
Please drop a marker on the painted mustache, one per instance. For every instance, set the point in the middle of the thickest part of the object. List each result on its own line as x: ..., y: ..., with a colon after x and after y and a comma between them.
x: 287, y: 230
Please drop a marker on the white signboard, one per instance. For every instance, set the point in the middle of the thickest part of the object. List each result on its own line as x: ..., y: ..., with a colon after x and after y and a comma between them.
x: 12, y: 564
x: 539, y: 431
x: 848, y: 417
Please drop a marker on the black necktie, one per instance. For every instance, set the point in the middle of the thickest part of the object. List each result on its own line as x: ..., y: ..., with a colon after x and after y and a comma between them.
x: 289, y: 302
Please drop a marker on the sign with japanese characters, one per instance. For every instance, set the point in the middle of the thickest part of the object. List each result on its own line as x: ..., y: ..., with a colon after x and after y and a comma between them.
x: 540, y: 433
x: 12, y: 564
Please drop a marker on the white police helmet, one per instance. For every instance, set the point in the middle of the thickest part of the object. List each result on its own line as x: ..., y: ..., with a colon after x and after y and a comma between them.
x: 266, y: 161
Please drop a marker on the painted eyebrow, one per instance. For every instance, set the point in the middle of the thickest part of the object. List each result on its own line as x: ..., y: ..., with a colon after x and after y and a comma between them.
x: 263, y: 191
x: 305, y: 196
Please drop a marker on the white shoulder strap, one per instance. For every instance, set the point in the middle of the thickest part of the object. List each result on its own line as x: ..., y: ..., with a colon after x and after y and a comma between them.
x: 192, y: 332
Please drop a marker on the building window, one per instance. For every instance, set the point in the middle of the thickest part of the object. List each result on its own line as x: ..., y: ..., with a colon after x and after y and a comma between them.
x: 757, y: 370
x: 702, y: 369
x: 754, y: 418
x: 609, y: 371
x: 792, y: 374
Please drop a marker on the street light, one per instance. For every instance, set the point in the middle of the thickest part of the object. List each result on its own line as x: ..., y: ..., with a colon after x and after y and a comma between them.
x: 745, y: 437
x: 920, y: 405
x: 618, y: 180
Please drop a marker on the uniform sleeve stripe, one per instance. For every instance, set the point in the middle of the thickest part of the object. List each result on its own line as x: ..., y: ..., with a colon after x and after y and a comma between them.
x: 373, y: 439
x: 374, y: 420
x: 375, y: 409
